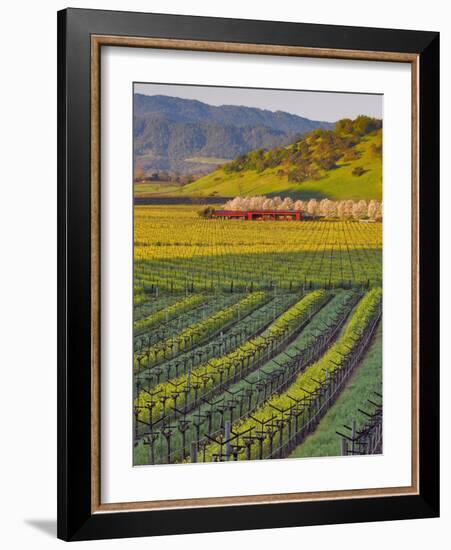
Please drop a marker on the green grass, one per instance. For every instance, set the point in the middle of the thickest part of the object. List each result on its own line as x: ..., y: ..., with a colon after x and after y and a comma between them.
x: 207, y: 160
x: 366, y: 380
x: 156, y: 188
x: 336, y: 184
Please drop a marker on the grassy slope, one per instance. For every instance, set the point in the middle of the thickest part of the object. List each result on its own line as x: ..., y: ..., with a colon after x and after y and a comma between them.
x: 366, y: 380
x: 336, y: 184
x: 155, y: 188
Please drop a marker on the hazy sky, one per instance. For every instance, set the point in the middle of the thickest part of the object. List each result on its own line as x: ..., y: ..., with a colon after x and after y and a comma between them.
x: 329, y: 106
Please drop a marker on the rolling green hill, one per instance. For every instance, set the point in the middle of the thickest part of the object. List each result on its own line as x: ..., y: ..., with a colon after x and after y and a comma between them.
x: 337, y: 164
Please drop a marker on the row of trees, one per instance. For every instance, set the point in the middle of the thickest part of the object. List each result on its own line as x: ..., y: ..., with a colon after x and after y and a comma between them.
x: 345, y: 209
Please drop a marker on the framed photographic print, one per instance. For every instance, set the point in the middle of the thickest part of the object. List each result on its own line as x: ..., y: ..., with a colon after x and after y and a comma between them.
x: 248, y: 274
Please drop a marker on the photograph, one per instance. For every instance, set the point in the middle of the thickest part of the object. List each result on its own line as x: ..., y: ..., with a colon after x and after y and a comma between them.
x: 248, y: 273
x: 257, y: 274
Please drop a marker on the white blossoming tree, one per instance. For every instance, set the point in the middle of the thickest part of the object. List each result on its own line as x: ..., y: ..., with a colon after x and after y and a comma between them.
x: 268, y: 204
x: 324, y: 207
x: 277, y: 202
x: 287, y: 204
x: 344, y: 210
x: 359, y: 209
x: 312, y: 207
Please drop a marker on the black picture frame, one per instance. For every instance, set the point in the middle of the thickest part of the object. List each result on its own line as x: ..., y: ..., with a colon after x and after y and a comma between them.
x: 75, y: 518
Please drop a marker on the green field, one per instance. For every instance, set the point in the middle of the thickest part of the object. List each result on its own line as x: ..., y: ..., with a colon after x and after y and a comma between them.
x: 148, y: 189
x: 366, y: 380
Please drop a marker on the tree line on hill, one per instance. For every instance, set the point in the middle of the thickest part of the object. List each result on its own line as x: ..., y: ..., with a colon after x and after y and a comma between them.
x: 315, y: 153
x: 325, y: 208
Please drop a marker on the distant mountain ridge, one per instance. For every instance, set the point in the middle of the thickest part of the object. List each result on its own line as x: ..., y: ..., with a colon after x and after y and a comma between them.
x: 173, y: 134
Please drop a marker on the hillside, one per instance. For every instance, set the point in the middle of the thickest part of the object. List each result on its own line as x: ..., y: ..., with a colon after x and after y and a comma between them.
x: 345, y: 163
x: 188, y: 136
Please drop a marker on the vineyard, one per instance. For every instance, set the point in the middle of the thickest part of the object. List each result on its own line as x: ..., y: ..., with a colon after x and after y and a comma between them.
x: 245, y: 335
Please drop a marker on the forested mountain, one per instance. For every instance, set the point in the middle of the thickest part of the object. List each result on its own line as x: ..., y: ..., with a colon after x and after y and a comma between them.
x: 189, y: 136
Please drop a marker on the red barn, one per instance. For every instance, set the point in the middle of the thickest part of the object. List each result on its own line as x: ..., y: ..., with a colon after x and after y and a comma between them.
x: 281, y: 215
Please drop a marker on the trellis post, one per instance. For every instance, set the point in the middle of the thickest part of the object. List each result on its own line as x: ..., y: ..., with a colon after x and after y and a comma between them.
x: 227, y: 432
x: 353, y: 435
x: 193, y: 451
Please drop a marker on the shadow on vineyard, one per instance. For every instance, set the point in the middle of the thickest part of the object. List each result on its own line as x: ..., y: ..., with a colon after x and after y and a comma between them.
x: 232, y: 272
